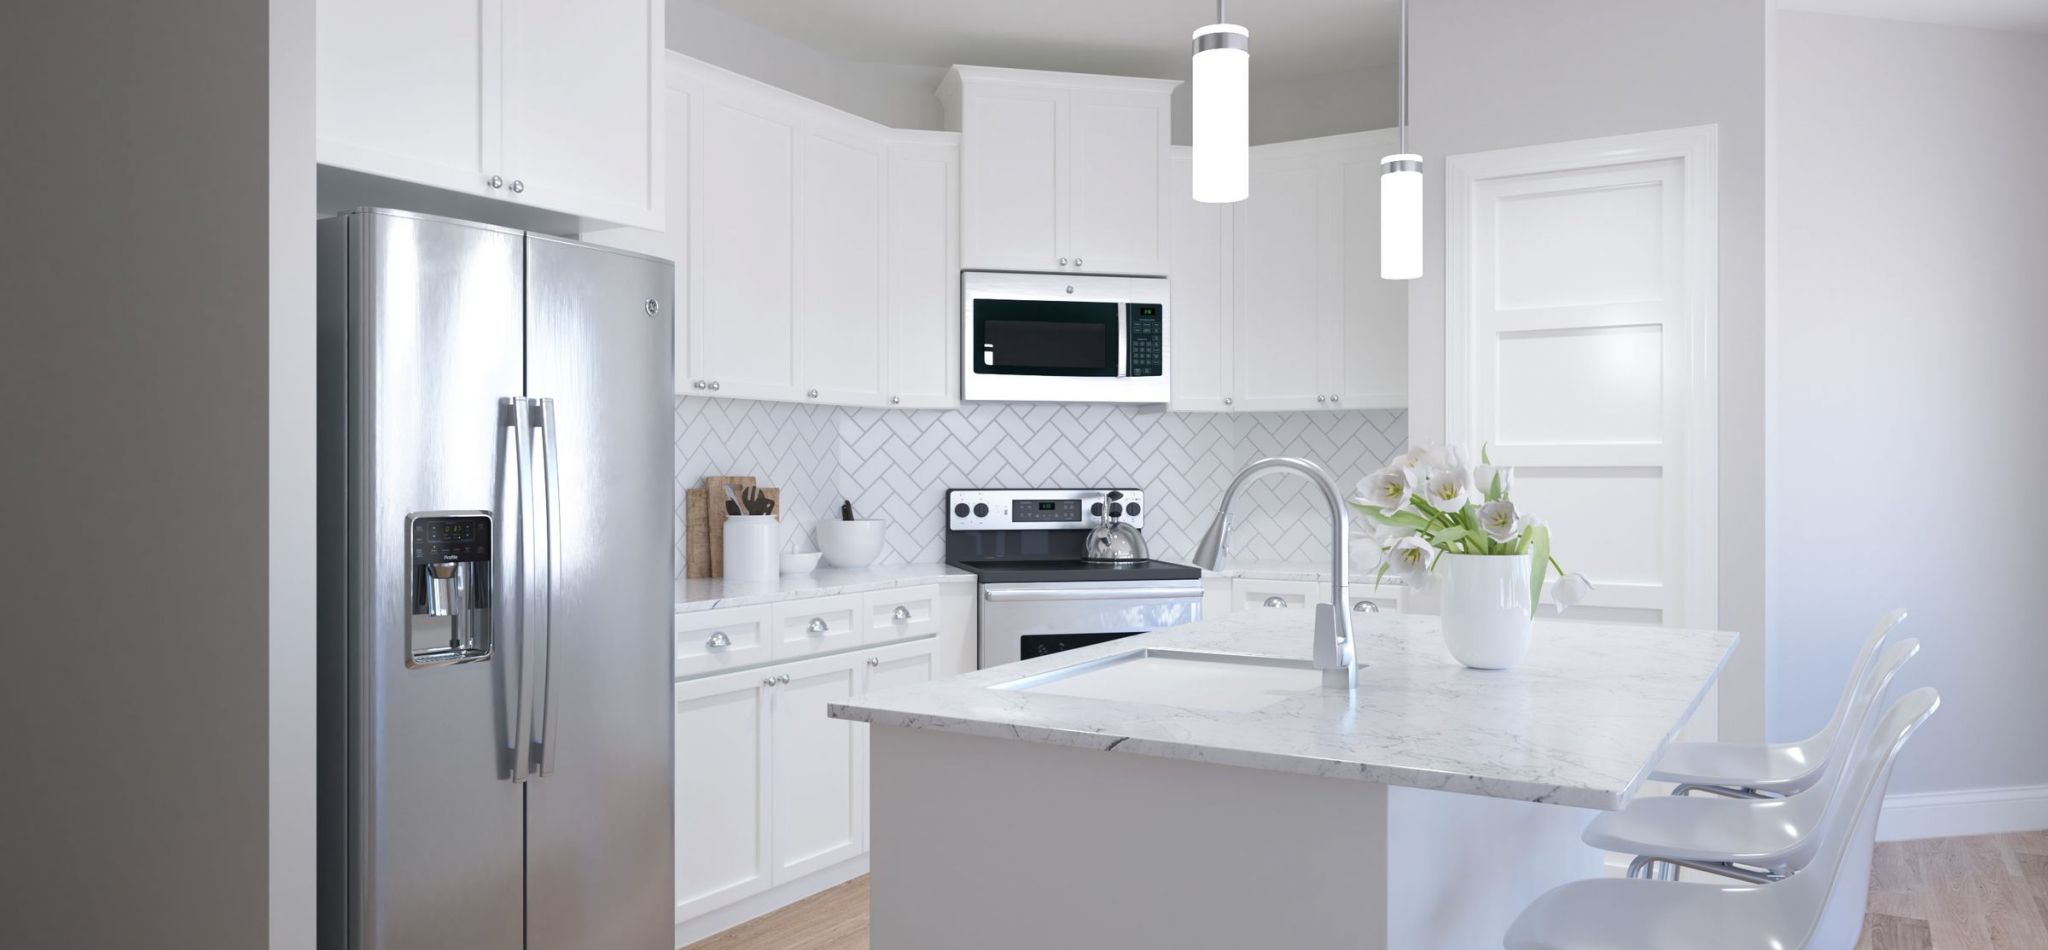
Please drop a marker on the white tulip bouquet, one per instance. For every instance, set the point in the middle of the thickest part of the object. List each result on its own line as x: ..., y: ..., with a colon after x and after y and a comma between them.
x: 1428, y: 503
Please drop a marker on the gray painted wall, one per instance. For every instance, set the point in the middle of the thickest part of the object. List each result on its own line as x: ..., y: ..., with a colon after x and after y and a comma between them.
x: 1488, y: 75
x: 133, y: 660
x: 1909, y: 333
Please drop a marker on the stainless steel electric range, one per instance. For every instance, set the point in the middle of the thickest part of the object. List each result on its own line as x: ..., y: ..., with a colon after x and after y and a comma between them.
x: 1040, y: 593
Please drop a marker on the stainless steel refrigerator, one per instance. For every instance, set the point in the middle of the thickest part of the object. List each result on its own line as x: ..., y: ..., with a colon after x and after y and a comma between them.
x: 495, y: 432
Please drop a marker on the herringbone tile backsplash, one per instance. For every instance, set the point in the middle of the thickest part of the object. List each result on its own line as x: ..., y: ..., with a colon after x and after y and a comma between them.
x: 897, y: 465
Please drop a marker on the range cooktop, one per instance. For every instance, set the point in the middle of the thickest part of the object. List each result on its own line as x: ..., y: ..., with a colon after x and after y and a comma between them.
x: 1052, y: 571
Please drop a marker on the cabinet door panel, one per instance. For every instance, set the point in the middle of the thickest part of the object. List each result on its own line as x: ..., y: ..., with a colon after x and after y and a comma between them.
x: 721, y: 782
x: 1199, y: 320
x: 815, y: 813
x: 901, y: 664
x: 1011, y: 181
x: 581, y: 117
x: 741, y: 197
x: 407, y: 89
x: 838, y: 297
x: 1279, y: 314
x: 923, y: 275
x: 1375, y: 370
x: 1116, y: 151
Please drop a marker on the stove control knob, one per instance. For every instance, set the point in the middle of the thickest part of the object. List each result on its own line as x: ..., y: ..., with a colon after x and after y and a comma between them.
x: 1095, y: 509
x: 1131, y: 509
x: 1116, y: 510
x: 960, y: 510
x: 980, y: 511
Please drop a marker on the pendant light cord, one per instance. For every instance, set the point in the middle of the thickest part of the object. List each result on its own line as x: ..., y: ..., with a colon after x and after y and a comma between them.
x: 1402, y: 119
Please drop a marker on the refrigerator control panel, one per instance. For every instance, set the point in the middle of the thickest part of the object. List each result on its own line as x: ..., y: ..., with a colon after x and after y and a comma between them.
x: 449, y: 578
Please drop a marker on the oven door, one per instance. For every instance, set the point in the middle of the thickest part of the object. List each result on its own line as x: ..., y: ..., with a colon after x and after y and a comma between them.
x: 1019, y: 621
x: 1063, y: 338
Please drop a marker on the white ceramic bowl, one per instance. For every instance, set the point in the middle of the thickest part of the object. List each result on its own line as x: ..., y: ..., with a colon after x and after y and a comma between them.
x: 800, y: 563
x: 851, y: 543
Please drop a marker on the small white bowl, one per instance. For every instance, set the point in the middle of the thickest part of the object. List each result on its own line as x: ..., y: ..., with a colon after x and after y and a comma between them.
x: 801, y: 563
x: 851, y: 543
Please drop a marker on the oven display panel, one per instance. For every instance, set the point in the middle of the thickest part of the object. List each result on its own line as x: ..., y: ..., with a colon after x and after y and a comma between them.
x: 1066, y: 509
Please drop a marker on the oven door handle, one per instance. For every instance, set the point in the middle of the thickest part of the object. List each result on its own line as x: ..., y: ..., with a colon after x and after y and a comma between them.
x: 997, y: 595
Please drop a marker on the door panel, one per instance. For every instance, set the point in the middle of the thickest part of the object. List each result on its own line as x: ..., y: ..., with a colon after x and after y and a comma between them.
x: 1374, y: 370
x: 742, y: 194
x: 839, y: 243
x: 901, y: 664
x: 598, y: 825
x: 1116, y: 153
x: 581, y: 123
x: 923, y: 279
x: 815, y: 818
x: 409, y: 89
x: 1011, y: 180
x: 1200, y: 321
x: 434, y: 817
x: 1280, y: 312
x: 721, y: 796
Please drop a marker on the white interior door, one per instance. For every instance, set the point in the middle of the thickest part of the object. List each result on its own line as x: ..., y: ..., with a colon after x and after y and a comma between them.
x: 1579, y: 314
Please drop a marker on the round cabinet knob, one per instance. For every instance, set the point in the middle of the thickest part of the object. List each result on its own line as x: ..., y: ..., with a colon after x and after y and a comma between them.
x: 960, y: 510
x: 518, y: 186
x: 817, y: 625
x: 1077, y: 262
x: 770, y: 681
x: 811, y: 394
x: 1333, y: 397
x: 874, y: 661
x: 714, y: 385
x: 1322, y: 398
x: 1276, y: 601
x: 696, y: 384
x: 902, y: 614
x: 980, y: 511
x: 718, y: 641
x: 1131, y: 509
x: 1063, y: 262
x: 495, y: 181
x: 1228, y: 401
x: 895, y: 400
x: 1365, y: 607
x: 782, y: 680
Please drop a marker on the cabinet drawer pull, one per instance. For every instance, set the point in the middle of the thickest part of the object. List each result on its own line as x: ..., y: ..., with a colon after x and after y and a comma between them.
x: 714, y: 385
x: 1365, y: 607
x: 770, y: 681
x: 718, y: 640
x: 902, y: 614
x: 1276, y: 601
x: 874, y: 661
x: 817, y: 625
x: 782, y: 680
x: 518, y: 186
x: 495, y: 181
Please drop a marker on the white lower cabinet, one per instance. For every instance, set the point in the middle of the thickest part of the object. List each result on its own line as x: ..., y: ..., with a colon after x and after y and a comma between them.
x: 768, y: 788
x: 1252, y: 593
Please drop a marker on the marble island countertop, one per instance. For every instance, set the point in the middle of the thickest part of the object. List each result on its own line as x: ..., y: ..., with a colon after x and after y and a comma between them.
x: 1577, y: 723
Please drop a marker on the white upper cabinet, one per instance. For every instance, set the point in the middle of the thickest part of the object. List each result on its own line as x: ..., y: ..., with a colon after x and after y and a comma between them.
x: 1277, y: 300
x: 742, y: 264
x: 543, y: 104
x: 1060, y: 171
x: 840, y: 191
x: 924, y: 270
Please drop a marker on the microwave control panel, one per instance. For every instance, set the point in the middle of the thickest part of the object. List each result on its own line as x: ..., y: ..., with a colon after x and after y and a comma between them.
x: 1147, y: 340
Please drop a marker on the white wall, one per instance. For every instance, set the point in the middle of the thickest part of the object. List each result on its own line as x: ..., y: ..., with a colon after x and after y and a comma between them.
x: 134, y: 544
x: 1912, y: 324
x: 1354, y: 100
x: 1487, y: 75
x: 894, y: 95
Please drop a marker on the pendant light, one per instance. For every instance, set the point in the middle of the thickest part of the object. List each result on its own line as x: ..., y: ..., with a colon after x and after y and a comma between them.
x: 1222, y: 111
x: 1401, y: 189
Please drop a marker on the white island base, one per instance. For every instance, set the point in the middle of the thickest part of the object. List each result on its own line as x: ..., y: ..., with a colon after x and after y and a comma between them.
x: 996, y: 844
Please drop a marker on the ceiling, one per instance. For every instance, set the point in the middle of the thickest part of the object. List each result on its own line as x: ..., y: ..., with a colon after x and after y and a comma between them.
x: 2027, y: 15
x: 1290, y: 38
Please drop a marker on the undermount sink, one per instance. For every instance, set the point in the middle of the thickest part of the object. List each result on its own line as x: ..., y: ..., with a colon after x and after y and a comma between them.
x: 1220, y: 682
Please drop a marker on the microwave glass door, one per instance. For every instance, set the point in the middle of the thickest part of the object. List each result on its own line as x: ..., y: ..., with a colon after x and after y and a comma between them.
x: 1047, y: 337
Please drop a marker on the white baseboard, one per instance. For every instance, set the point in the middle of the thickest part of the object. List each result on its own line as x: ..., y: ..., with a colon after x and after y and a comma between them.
x: 775, y: 898
x: 1977, y: 811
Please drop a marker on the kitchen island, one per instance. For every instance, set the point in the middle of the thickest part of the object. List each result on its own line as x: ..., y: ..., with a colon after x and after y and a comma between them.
x: 1197, y: 787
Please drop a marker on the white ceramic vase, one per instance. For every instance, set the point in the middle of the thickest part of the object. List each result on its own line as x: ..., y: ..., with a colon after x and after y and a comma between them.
x: 1485, y: 608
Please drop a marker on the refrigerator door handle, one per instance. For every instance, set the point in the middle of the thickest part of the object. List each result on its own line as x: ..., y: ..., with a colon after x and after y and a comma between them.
x: 544, y: 748
x: 519, y: 415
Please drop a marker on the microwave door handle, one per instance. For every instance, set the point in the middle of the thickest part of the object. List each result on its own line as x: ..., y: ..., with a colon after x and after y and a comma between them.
x: 1123, y: 338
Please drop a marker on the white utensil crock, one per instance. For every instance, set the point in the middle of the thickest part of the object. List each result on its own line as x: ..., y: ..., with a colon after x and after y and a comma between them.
x: 752, y: 548
x: 1485, y: 608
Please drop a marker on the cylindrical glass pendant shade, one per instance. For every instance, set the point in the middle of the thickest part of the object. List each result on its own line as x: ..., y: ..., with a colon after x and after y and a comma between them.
x: 1401, y: 217
x: 1222, y: 113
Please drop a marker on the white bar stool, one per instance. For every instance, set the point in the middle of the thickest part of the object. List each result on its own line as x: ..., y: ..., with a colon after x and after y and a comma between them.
x: 1773, y: 770
x: 1819, y: 908
x: 1753, y: 840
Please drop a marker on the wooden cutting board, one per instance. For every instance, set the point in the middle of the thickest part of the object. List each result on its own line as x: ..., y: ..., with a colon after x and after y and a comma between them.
x: 714, y: 503
x: 696, y: 533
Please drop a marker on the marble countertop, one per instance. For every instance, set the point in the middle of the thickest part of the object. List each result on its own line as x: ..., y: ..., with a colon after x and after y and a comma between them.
x: 708, y: 593
x: 1577, y: 723
x: 1296, y: 571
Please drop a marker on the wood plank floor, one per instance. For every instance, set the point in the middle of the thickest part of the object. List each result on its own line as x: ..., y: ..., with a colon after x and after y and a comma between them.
x: 1987, y: 893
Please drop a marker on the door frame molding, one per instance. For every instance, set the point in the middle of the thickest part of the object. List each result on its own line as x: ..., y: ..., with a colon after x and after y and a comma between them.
x: 1697, y: 148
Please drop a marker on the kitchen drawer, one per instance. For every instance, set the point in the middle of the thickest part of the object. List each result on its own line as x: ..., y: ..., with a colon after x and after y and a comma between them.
x: 816, y: 625
x: 899, y: 613
x: 711, y: 640
x: 1252, y: 594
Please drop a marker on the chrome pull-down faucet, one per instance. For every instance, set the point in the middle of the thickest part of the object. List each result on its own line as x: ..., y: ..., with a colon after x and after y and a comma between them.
x: 1333, y: 650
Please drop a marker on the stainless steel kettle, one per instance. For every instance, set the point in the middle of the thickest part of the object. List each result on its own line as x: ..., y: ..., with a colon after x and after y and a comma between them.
x: 1113, y: 540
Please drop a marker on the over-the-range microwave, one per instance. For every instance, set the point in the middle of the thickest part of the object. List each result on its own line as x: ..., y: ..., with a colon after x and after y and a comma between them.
x: 1064, y: 338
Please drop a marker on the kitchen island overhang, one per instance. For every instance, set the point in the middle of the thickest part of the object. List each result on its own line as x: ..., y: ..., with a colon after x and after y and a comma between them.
x: 1004, y: 817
